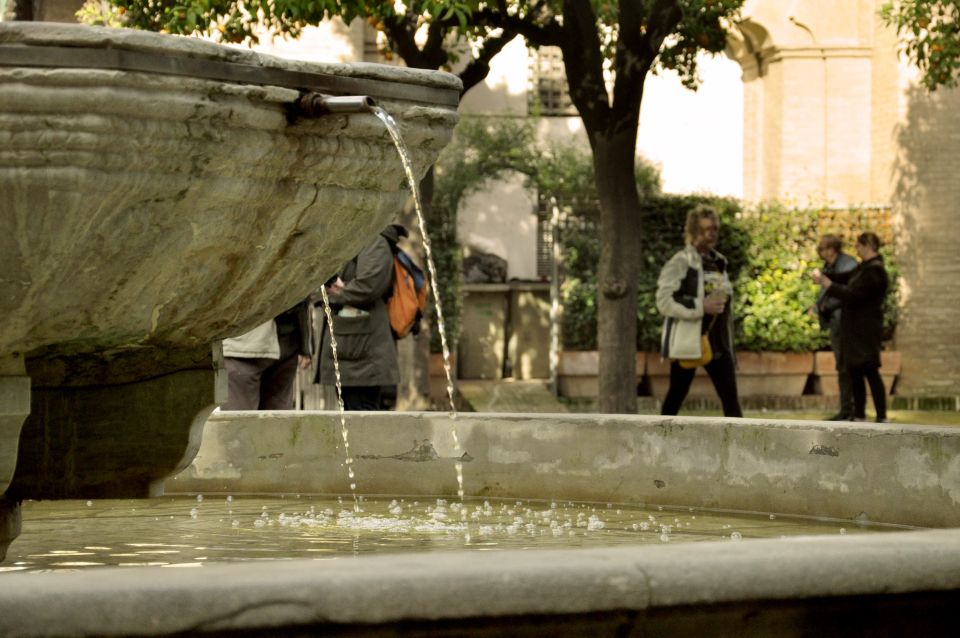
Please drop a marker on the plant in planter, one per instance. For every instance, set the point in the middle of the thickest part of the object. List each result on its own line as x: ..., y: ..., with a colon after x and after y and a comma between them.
x: 774, y: 294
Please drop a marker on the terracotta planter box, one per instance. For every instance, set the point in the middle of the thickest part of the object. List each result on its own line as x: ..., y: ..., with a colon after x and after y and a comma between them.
x: 825, y: 368
x: 578, y: 371
x: 758, y: 374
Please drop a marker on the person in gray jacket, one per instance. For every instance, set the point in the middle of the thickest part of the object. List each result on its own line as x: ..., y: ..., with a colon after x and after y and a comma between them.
x: 835, y: 261
x: 262, y: 363
x: 694, y: 295
x: 366, y: 350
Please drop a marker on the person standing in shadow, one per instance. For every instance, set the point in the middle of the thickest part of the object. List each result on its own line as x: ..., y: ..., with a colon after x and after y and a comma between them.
x: 861, y: 292
x: 262, y: 363
x: 830, y: 249
x: 366, y: 351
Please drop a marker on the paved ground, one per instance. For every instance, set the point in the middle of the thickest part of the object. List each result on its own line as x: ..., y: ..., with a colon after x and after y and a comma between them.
x: 510, y: 396
x: 534, y: 396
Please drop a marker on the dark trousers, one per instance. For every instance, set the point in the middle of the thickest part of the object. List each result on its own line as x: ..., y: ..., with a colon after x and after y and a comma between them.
x: 263, y: 384
x: 870, y: 373
x: 361, y: 397
x: 843, y: 375
x: 722, y: 374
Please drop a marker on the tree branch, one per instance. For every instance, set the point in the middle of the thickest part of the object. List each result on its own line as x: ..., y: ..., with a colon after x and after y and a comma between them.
x: 583, y: 62
x: 401, y: 32
x: 638, y: 45
x: 478, y: 68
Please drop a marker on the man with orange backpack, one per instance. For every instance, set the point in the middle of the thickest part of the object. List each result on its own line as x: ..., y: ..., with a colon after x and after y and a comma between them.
x: 363, y: 298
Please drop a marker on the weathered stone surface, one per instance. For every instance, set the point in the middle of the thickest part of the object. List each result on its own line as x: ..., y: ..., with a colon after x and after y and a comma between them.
x: 14, y: 407
x: 144, y: 216
x: 885, y: 473
x: 484, y: 268
x: 151, y: 210
x: 547, y: 592
x: 10, y: 522
x: 117, y: 440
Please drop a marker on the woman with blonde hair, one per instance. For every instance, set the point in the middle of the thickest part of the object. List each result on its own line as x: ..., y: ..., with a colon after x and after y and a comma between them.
x: 694, y: 295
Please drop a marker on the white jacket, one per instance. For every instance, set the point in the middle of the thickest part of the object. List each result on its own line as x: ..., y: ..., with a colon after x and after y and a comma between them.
x: 680, y: 301
x: 260, y: 343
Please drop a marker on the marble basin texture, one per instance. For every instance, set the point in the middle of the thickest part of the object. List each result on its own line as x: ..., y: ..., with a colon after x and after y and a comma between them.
x: 143, y: 210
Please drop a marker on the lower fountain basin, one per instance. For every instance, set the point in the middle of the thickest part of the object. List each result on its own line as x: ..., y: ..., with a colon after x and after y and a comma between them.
x: 897, y: 583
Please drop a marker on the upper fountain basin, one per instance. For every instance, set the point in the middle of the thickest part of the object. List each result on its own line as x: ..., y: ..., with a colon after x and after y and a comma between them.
x: 162, y: 191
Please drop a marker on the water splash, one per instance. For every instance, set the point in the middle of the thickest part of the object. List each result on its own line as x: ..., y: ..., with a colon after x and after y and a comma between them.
x: 343, y: 418
x: 398, y: 142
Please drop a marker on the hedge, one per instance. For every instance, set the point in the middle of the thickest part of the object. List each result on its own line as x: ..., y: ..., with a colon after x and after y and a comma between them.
x: 771, y: 248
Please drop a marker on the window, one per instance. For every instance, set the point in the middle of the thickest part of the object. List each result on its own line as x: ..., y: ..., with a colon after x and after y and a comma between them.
x: 549, y: 94
x: 582, y: 223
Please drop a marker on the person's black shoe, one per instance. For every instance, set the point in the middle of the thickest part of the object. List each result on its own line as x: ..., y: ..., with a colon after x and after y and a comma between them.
x: 840, y: 417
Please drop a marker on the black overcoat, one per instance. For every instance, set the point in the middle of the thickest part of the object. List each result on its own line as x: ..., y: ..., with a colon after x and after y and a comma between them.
x: 861, y: 293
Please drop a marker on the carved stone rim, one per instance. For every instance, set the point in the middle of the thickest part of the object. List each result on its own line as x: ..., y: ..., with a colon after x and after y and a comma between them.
x: 81, y: 47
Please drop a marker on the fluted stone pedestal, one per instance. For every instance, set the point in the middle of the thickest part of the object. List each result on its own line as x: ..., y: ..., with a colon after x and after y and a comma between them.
x: 97, y: 432
x: 14, y: 407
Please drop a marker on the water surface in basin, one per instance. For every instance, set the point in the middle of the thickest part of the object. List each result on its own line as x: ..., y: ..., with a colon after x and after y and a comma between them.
x: 186, y: 531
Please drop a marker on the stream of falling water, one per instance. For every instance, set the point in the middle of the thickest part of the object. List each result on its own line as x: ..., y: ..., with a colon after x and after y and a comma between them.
x: 394, y: 131
x: 343, y: 419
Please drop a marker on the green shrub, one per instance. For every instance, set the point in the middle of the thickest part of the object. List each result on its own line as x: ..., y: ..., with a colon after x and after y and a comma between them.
x: 771, y: 248
x: 775, y: 293
x: 662, y: 219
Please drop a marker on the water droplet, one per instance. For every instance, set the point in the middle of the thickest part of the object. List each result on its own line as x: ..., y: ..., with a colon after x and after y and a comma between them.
x: 736, y: 536
x: 229, y: 499
x: 199, y: 498
x: 773, y: 517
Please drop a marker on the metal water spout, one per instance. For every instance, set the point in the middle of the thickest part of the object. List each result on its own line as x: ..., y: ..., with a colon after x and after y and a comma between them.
x: 314, y: 104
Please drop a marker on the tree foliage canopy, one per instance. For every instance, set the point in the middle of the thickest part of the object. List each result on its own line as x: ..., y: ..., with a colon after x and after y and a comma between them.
x: 929, y: 31
x: 437, y: 33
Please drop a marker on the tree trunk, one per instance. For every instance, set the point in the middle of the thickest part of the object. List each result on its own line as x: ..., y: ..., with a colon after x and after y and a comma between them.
x: 613, y: 157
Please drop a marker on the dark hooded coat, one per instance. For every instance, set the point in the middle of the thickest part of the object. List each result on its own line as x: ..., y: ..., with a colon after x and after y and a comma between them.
x: 365, y: 346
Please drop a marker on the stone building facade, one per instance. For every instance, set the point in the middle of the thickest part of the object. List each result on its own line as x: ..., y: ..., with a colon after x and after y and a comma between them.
x: 832, y: 115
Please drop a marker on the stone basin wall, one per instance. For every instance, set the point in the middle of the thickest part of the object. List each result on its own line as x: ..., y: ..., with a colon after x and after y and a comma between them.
x: 870, y: 472
x: 890, y: 584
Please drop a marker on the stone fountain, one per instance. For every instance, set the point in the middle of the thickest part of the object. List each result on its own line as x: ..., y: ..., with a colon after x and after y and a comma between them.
x: 157, y: 194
